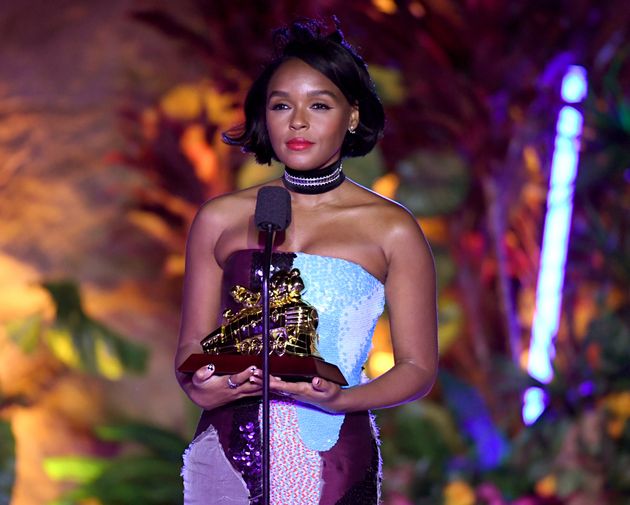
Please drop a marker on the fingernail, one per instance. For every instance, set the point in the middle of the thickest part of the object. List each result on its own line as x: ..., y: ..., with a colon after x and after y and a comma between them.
x: 316, y: 381
x: 210, y: 367
x: 252, y: 369
x: 252, y: 380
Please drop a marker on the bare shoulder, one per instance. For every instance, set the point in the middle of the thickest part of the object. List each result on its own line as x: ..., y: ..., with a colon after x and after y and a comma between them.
x: 227, y: 202
x: 224, y: 210
x: 224, y: 224
x: 396, y: 226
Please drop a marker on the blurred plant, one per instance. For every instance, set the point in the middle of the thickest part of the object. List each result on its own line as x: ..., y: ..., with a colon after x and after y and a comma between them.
x: 7, y: 459
x: 74, y: 342
x: 146, y: 469
x: 600, y: 244
x: 577, y: 453
x: 433, y: 183
x: 77, y: 340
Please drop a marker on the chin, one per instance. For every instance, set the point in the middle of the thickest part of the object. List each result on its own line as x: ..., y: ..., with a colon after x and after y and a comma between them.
x: 299, y: 162
x: 303, y: 162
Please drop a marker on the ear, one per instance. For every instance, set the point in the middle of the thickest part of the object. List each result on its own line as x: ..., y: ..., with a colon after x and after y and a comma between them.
x: 354, y: 118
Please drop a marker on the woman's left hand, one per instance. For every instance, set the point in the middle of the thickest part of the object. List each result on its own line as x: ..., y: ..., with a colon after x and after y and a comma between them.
x: 322, y: 393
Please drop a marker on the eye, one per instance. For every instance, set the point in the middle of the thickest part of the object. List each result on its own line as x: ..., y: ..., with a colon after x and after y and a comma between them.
x: 279, y: 106
x: 321, y: 106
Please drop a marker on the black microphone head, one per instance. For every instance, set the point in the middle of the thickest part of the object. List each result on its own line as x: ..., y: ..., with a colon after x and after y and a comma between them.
x: 273, y: 207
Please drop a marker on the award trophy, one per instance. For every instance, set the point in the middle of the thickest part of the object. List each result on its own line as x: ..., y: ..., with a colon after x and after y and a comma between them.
x: 293, y: 337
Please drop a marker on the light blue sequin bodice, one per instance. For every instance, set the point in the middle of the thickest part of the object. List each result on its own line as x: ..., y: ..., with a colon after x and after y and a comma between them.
x: 349, y: 301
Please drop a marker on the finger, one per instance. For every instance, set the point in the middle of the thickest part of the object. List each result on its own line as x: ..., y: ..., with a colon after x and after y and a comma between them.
x: 255, y: 380
x: 288, y: 388
x: 257, y: 392
x: 203, y: 374
x: 276, y: 383
x: 245, y: 375
x: 249, y: 389
x: 320, y: 384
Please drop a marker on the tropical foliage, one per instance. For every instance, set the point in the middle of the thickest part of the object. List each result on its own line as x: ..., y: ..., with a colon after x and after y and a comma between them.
x: 7, y: 462
x: 71, y: 341
x: 146, y: 472
x: 77, y: 340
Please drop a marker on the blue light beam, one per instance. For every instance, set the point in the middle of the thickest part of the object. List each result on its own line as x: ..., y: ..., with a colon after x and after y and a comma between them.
x: 555, y: 241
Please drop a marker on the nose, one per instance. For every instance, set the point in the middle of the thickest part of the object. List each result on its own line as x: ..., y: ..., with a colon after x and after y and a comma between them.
x: 298, y: 120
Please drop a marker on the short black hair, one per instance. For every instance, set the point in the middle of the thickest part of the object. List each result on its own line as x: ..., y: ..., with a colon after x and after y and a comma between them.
x: 338, y: 61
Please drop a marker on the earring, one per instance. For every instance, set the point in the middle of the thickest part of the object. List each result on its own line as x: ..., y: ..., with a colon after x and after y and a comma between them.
x: 352, y: 130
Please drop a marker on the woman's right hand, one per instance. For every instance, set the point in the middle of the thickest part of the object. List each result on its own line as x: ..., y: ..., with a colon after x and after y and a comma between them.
x: 210, y: 391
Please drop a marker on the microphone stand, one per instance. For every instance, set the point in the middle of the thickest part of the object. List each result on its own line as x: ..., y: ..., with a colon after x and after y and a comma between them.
x: 269, y: 236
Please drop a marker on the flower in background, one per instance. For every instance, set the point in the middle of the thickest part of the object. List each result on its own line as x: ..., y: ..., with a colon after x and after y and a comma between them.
x: 618, y: 405
x: 459, y: 492
x: 615, y: 427
x: 547, y: 486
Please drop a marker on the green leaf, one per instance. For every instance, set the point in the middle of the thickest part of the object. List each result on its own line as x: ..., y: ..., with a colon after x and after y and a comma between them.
x: 26, y: 332
x: 136, y: 479
x: 7, y: 462
x: 446, y: 268
x: 624, y: 115
x: 433, y: 183
x: 163, y: 443
x: 365, y: 169
x: 86, y: 344
x: 151, y: 478
x: 78, y: 469
x: 67, y: 299
x: 422, y: 430
x: 451, y: 322
x: 389, y: 84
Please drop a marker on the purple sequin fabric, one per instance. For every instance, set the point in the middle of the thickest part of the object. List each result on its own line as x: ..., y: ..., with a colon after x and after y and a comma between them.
x: 245, y: 452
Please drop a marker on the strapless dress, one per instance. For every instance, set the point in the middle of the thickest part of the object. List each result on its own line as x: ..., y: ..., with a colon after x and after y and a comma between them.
x: 316, y: 457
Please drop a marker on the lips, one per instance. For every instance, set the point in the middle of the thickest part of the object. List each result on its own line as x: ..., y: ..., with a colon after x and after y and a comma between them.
x: 298, y: 144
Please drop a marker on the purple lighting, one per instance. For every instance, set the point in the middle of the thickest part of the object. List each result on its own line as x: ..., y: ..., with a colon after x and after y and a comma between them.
x: 553, y: 253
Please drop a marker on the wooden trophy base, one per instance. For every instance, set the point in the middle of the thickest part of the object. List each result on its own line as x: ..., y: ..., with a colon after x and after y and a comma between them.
x: 287, y: 367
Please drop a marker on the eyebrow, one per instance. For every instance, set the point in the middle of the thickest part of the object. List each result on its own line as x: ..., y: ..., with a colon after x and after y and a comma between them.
x: 316, y: 92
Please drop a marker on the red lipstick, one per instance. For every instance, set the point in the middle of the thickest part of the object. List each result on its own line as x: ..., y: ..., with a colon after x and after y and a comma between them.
x: 299, y: 144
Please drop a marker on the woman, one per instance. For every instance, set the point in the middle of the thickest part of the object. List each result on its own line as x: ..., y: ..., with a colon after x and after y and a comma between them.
x: 310, y: 108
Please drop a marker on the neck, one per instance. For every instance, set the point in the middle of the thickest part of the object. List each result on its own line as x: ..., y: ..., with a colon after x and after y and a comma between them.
x: 315, y: 181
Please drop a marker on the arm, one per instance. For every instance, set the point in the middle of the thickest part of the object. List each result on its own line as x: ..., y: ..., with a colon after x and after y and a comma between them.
x: 410, y: 290
x: 200, y: 314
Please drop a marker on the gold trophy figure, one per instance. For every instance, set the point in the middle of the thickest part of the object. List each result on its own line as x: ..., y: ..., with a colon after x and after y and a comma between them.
x: 237, y: 343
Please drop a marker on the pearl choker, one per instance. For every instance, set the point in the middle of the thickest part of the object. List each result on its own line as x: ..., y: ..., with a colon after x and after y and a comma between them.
x: 314, y: 182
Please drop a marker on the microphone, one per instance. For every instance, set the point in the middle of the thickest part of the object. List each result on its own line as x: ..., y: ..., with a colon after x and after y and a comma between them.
x: 273, y: 208
x: 273, y: 213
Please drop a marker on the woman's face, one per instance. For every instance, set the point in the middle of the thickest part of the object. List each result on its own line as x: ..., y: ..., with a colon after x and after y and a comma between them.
x: 307, y: 116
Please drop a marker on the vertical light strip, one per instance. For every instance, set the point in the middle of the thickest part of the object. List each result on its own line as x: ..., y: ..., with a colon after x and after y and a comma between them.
x: 555, y: 241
